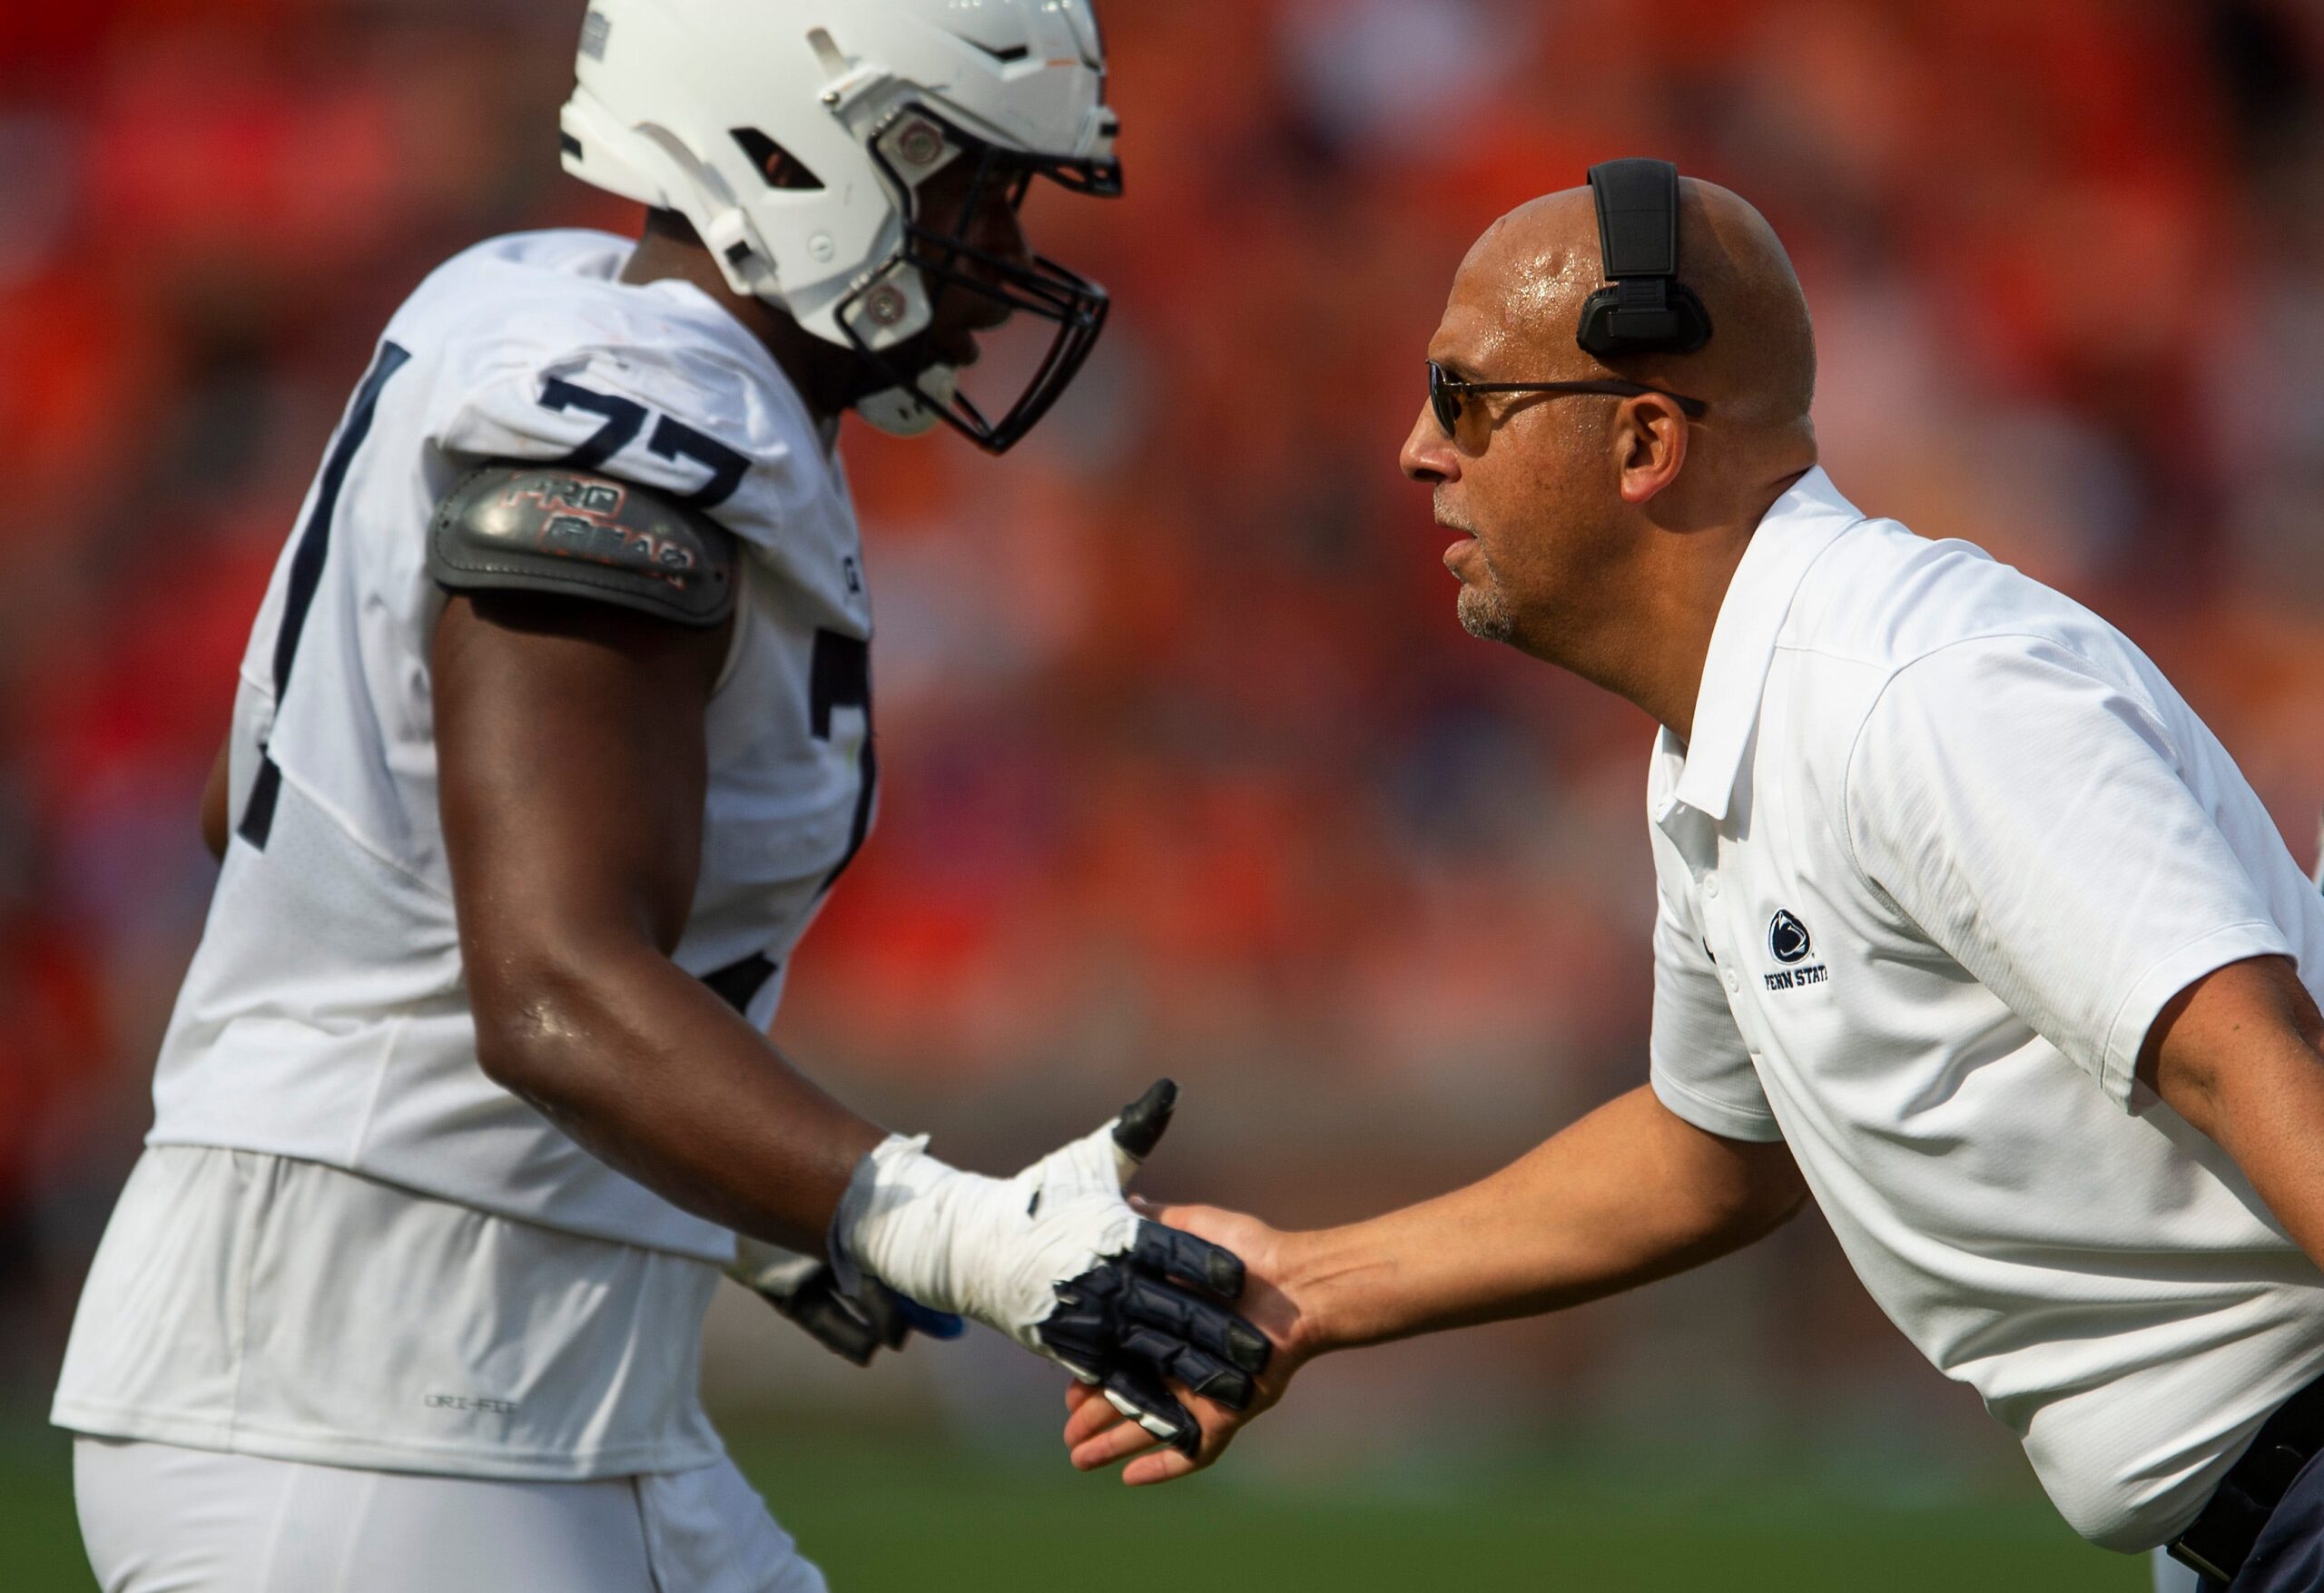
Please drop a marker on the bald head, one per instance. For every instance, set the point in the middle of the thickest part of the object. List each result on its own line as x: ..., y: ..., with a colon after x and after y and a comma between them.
x: 1598, y: 530
x: 1526, y: 279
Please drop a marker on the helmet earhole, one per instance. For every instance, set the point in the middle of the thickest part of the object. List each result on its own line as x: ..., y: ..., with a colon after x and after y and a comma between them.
x: 779, y: 167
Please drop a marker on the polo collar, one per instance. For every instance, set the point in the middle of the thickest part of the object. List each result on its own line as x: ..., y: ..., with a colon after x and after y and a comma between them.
x: 1796, y: 529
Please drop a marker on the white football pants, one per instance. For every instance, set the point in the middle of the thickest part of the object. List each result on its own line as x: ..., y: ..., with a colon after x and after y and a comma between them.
x: 158, y: 1518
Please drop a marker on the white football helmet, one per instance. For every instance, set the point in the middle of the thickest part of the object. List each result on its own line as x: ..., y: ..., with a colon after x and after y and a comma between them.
x: 692, y: 106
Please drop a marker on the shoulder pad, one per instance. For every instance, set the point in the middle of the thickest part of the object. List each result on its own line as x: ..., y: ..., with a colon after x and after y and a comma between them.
x: 552, y: 528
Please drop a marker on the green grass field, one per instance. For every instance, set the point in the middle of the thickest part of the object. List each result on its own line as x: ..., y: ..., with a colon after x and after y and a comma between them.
x: 897, y: 1514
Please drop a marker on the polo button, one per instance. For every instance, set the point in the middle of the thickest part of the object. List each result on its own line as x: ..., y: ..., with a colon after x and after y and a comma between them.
x: 1710, y: 884
x: 1734, y: 981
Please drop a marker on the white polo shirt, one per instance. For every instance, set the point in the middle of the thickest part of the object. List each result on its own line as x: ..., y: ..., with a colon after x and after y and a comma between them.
x: 1943, y: 845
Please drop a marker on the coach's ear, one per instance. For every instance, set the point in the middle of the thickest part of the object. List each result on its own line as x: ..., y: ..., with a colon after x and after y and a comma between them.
x: 1650, y: 444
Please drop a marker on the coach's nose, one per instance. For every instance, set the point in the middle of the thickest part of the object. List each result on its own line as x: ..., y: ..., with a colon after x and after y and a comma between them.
x: 1428, y: 455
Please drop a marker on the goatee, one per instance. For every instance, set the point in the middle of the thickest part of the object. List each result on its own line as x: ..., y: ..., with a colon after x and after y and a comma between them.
x: 1484, y: 614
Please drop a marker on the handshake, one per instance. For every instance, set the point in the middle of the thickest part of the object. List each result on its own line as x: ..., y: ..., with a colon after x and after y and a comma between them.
x: 1139, y: 1311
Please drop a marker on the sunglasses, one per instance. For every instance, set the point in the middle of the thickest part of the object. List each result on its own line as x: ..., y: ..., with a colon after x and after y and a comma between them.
x: 1447, y: 393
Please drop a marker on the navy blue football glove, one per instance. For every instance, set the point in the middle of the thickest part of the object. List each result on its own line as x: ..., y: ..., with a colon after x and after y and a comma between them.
x: 1140, y: 1322
x: 806, y: 1289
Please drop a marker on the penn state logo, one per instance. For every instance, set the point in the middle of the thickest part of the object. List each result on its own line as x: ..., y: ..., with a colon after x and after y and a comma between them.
x: 1787, y: 939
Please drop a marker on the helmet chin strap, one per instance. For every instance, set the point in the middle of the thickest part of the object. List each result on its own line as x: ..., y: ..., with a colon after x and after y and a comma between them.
x: 911, y: 411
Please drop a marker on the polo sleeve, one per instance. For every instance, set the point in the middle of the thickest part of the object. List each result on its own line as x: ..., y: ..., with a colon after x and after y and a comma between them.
x: 1696, y: 1061
x: 2029, y: 814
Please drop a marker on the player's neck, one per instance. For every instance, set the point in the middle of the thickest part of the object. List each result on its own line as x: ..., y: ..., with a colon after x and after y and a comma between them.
x: 825, y: 375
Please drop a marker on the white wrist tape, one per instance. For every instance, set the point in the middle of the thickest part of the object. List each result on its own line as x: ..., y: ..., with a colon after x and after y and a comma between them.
x: 993, y: 1249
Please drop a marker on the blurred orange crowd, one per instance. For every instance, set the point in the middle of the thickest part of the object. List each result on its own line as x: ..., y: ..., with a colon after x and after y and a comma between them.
x: 1189, y: 764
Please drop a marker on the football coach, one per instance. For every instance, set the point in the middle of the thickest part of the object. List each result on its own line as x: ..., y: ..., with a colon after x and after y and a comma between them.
x: 1966, y: 927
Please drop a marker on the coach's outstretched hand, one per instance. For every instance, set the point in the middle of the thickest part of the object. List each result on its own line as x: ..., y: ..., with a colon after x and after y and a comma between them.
x: 1096, y: 1432
x: 1058, y: 1260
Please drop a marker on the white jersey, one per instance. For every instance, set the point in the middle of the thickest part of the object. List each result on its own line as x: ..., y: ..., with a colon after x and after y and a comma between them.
x: 345, y: 1243
x: 261, y: 1305
x: 325, y: 1016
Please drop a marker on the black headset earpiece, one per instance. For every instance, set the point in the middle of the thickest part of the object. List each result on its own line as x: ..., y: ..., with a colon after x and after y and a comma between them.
x: 1646, y: 309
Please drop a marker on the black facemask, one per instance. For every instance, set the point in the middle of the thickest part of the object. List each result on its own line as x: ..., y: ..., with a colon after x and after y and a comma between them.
x: 1041, y: 288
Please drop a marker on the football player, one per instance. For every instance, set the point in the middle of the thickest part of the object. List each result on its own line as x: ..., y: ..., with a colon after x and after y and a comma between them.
x: 554, y: 729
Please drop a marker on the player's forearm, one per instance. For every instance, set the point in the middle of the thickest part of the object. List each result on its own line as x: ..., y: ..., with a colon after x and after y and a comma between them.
x: 656, y: 1076
x: 1628, y: 1195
